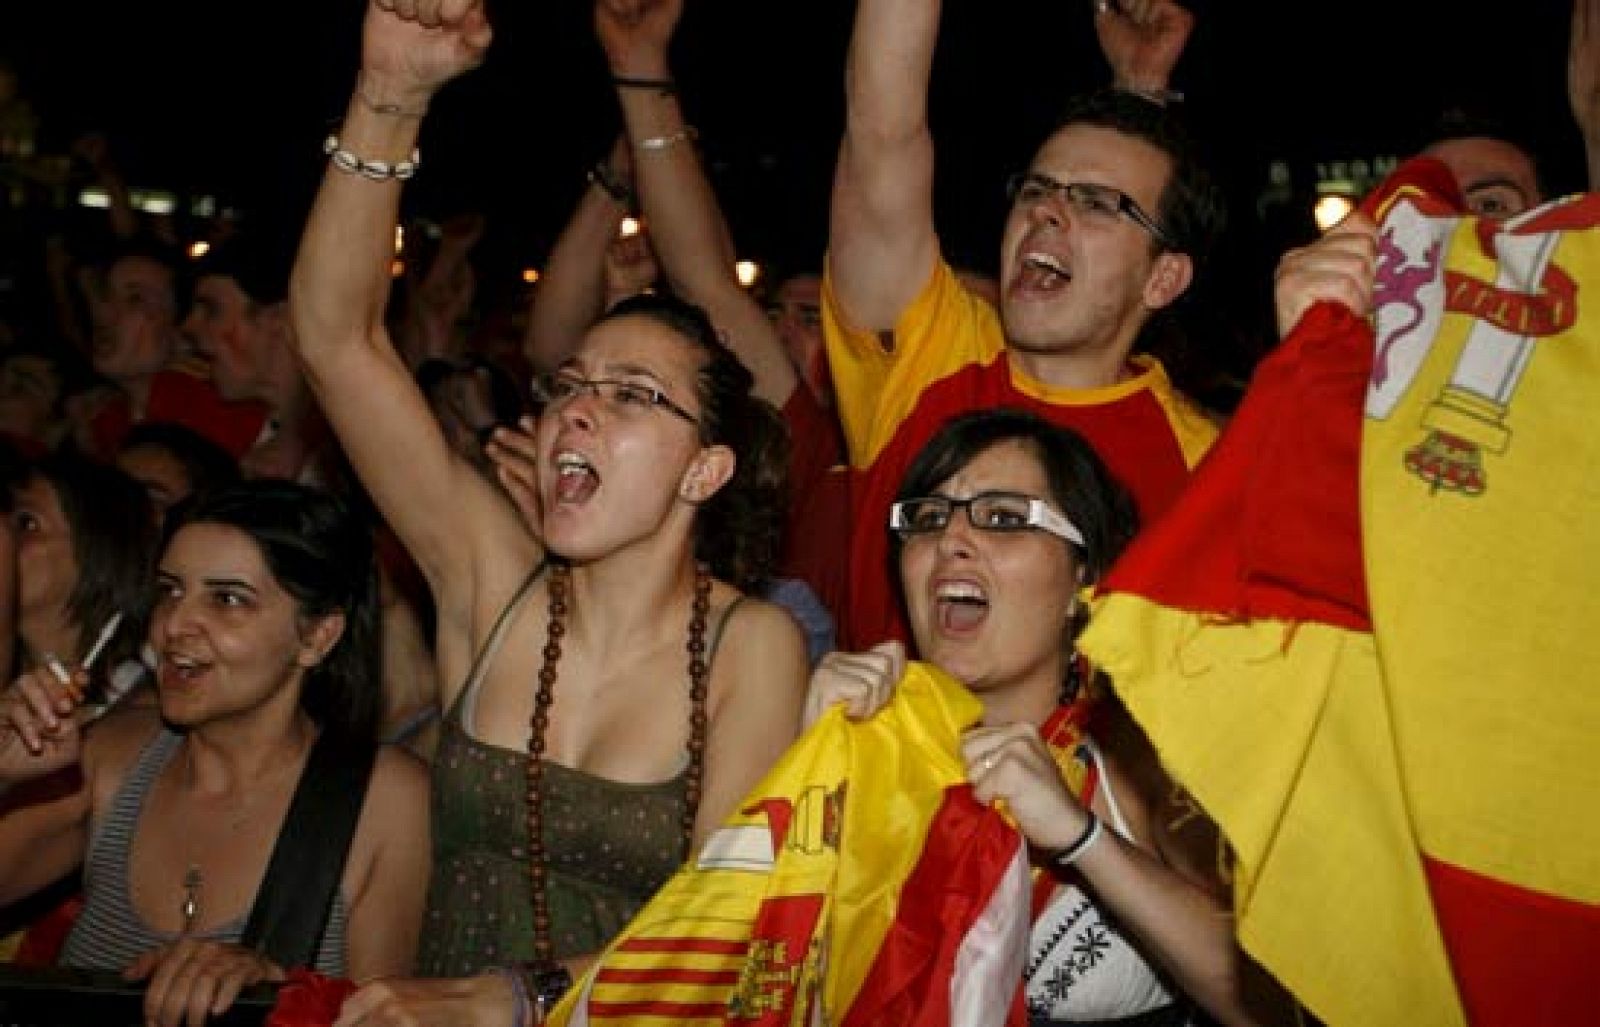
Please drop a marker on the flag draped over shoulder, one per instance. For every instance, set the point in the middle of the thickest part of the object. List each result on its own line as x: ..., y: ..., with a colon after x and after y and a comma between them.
x: 1368, y: 637
x: 859, y: 883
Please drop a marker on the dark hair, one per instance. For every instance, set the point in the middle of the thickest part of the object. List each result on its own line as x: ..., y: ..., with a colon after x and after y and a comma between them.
x: 322, y: 555
x: 1080, y: 483
x: 258, y: 260
x: 144, y: 247
x: 1192, y: 209
x: 737, y: 530
x: 113, y: 542
x: 70, y: 368
x: 206, y: 464
x: 1463, y: 123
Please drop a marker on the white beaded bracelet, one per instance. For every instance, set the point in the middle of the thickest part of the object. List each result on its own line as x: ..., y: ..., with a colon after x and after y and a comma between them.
x: 376, y: 170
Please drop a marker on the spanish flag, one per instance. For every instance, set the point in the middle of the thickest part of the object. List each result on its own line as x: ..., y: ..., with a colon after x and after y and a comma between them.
x: 1368, y: 637
x: 860, y: 883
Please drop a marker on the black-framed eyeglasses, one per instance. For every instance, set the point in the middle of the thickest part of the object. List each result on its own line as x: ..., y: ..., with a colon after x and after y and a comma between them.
x: 986, y: 511
x: 1090, y: 199
x: 558, y: 388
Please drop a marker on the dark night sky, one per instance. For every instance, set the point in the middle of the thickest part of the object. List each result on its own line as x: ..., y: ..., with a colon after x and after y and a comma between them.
x: 234, y: 97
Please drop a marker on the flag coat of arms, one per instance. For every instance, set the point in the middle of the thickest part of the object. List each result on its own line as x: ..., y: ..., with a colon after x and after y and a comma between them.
x: 1368, y: 637
x: 859, y: 883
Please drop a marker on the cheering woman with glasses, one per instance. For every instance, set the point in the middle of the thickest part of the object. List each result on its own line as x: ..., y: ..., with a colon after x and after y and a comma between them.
x: 609, y: 693
x: 1001, y: 522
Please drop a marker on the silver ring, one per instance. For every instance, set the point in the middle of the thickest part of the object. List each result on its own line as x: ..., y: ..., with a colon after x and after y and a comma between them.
x: 988, y: 763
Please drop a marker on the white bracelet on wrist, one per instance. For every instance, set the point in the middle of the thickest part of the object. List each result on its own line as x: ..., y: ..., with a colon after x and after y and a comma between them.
x: 377, y: 170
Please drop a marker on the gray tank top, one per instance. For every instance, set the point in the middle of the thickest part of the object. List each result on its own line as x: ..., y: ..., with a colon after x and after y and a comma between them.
x: 110, y: 934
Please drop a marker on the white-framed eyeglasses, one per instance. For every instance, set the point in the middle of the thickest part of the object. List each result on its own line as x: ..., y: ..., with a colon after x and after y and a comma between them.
x: 986, y: 511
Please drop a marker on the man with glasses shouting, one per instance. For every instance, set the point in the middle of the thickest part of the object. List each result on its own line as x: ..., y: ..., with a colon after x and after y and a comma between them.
x: 1105, y: 227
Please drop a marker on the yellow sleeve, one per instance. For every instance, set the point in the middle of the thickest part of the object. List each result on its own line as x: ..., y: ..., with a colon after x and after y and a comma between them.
x: 877, y: 381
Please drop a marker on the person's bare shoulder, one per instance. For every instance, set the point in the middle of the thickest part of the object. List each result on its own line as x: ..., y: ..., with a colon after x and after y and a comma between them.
x: 112, y: 745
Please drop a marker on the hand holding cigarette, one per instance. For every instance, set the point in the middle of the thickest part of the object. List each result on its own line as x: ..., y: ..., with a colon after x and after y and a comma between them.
x: 40, y: 721
x: 39, y: 727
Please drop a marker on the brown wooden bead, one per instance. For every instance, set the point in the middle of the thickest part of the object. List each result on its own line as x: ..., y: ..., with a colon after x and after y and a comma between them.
x: 544, y: 697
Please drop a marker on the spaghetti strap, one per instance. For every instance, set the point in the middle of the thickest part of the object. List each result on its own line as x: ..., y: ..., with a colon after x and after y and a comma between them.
x: 465, y: 705
x: 722, y: 625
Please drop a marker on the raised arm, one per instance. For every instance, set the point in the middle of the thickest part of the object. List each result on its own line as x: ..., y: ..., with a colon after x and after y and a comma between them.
x: 1142, y: 41
x: 882, y: 246
x: 436, y: 503
x: 1583, y: 80
x: 571, y: 293
x: 690, y: 235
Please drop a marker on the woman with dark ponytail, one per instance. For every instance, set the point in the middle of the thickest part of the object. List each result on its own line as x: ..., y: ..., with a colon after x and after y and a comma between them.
x: 265, y: 626
x: 610, y: 694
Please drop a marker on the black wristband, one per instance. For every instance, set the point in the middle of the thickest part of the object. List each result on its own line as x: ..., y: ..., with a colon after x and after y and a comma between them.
x: 665, y: 86
x: 1061, y: 860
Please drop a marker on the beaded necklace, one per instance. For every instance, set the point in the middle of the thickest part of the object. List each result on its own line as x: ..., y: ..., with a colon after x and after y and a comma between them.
x: 538, y: 859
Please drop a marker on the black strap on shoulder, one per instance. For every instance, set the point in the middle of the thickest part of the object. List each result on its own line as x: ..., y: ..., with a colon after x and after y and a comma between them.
x: 291, y: 908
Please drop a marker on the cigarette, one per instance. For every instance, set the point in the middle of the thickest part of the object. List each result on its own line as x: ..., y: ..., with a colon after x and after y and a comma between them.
x: 59, y: 671
x: 100, y: 643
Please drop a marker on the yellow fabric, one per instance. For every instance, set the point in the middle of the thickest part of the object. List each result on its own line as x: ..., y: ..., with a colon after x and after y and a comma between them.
x: 1466, y: 728
x: 1281, y: 736
x: 876, y: 385
x: 1487, y: 606
x: 946, y: 328
x: 875, y: 784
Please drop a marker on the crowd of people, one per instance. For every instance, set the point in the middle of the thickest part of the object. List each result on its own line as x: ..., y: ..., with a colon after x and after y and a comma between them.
x: 592, y: 574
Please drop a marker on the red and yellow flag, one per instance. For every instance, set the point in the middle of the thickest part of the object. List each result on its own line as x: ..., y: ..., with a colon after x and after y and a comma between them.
x: 860, y: 883
x: 1368, y: 637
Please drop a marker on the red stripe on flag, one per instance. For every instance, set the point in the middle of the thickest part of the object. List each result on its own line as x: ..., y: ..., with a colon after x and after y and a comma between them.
x: 669, y: 975
x: 667, y: 1010
x: 706, y: 945
x: 1270, y: 526
x: 1520, y: 957
x: 966, y: 852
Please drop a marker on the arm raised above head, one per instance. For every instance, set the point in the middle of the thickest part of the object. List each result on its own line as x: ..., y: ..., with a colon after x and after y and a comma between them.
x: 1583, y: 81
x: 686, y: 224
x: 571, y: 294
x: 882, y: 246
x: 437, y: 504
x: 1142, y: 41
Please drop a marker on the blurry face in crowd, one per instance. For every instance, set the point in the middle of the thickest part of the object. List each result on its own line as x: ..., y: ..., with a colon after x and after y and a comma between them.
x: 228, y: 636
x: 796, y: 311
x: 163, y: 476
x: 1497, y: 178
x: 30, y: 393
x: 47, y: 567
x: 615, y: 468
x: 992, y: 607
x: 134, y: 319
x: 1072, y: 280
x: 463, y: 404
x: 233, y: 333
